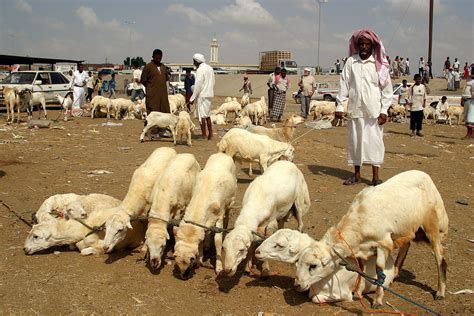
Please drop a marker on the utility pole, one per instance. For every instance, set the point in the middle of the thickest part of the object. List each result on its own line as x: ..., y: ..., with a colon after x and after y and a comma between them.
x: 430, y: 37
x: 129, y: 23
x: 319, y: 31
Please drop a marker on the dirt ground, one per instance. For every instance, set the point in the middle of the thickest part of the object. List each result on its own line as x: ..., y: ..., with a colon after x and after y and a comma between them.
x: 35, y: 164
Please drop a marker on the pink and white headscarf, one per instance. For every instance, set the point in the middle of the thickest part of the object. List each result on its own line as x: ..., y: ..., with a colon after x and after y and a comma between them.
x: 378, y: 51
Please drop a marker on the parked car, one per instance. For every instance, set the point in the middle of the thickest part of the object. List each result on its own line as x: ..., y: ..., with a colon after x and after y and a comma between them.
x: 106, y: 71
x: 48, y: 82
x: 326, y: 91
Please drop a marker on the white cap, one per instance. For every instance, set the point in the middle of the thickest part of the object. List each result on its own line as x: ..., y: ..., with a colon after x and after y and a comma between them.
x: 199, y: 58
x: 307, y: 69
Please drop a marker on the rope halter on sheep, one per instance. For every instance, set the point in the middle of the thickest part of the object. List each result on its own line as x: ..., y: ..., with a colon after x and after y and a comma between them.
x: 219, y: 230
x: 377, y: 282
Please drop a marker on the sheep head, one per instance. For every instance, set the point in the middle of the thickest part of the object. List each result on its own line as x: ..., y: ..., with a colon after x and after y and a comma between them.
x: 235, y: 248
x: 116, y: 228
x: 314, y: 263
x: 284, y: 245
x: 186, y: 249
x: 40, y: 238
x: 295, y: 119
x: 75, y: 209
x: 155, y: 244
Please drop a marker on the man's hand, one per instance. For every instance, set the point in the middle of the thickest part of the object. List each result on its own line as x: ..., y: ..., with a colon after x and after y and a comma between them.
x: 340, y: 115
x: 382, y: 119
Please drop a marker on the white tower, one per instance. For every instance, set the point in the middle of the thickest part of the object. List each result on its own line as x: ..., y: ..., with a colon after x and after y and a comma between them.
x: 214, y: 52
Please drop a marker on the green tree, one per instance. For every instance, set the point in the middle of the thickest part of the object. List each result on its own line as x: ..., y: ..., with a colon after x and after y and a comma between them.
x: 126, y: 62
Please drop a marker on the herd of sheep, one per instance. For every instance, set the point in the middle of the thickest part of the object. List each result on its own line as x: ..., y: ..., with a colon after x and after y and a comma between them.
x: 170, y: 194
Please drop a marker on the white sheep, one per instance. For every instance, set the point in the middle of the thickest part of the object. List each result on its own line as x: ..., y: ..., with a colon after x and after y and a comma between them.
x: 177, y: 103
x: 171, y: 195
x: 66, y: 104
x: 74, y: 233
x: 282, y: 134
x: 218, y: 119
x: 255, y: 111
x: 184, y: 128
x: 455, y: 111
x: 243, y: 122
x: 30, y: 99
x: 406, y: 207
x: 71, y: 205
x: 395, y: 110
x: 160, y: 120
x: 213, y: 195
x: 138, y: 199
x: 268, y: 202
x: 430, y: 112
x: 121, y: 107
x: 101, y: 104
x: 286, y: 245
x: 322, y: 109
x: 245, y: 99
x: 228, y: 107
x: 227, y: 99
x: 241, y: 144
x: 12, y: 102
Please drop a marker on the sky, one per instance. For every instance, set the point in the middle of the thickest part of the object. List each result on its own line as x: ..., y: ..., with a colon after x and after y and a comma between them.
x: 110, y: 30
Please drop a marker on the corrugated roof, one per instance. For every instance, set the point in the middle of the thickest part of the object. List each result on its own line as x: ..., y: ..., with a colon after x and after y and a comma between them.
x: 29, y: 60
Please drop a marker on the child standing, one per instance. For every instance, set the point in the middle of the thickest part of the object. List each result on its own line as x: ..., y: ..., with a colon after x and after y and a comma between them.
x: 112, y: 87
x: 417, y: 98
x: 98, y: 84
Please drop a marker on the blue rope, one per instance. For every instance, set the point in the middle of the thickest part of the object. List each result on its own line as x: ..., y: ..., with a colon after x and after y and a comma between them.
x: 379, y: 282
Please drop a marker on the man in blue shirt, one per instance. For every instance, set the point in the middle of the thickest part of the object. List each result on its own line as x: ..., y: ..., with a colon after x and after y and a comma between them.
x: 188, y: 84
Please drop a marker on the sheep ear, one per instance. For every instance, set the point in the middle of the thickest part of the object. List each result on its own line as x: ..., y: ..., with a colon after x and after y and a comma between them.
x: 129, y: 225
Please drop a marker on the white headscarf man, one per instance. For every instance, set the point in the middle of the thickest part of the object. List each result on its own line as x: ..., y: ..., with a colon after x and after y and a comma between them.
x: 203, y: 93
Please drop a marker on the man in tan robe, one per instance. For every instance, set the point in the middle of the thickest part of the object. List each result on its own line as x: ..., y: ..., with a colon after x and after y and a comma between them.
x: 154, y: 78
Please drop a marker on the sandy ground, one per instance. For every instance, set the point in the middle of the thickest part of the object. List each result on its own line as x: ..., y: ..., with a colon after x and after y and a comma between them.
x: 35, y: 164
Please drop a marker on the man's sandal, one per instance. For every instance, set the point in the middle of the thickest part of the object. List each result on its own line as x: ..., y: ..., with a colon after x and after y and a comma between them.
x: 351, y: 181
x: 376, y: 182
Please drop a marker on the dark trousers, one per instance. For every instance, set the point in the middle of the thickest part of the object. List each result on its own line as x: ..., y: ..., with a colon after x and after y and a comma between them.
x: 89, y: 94
x: 416, y: 120
x: 270, y: 98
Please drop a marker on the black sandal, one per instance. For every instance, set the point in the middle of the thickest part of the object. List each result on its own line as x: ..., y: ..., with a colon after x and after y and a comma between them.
x: 351, y: 181
x: 376, y: 182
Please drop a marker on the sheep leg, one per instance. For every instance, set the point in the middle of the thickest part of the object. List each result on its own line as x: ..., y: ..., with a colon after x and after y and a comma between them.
x: 43, y: 104
x: 302, y: 205
x: 145, y: 131
x: 173, y: 133
x: 402, y: 254
x: 382, y: 255
x: 18, y: 114
x: 218, y: 245
x: 432, y: 232
x: 250, y: 169
x: 359, y: 290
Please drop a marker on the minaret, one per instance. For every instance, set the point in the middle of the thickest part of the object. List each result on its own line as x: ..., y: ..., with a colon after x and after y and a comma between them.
x: 214, y: 51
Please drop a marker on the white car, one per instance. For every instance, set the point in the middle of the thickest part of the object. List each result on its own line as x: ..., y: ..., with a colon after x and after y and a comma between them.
x: 48, y: 82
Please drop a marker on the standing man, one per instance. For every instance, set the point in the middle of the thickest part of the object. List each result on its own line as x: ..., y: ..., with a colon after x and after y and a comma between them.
x: 189, y: 81
x: 78, y: 83
x: 365, y: 80
x: 338, y: 66
x: 456, y: 65
x: 417, y: 104
x: 137, y: 87
x: 271, y: 88
x: 203, y: 93
x: 90, y: 87
x: 154, y: 77
x: 421, y: 66
x: 447, y: 65
x: 307, y: 86
x: 407, y: 67
x: 468, y: 102
x: 247, y: 86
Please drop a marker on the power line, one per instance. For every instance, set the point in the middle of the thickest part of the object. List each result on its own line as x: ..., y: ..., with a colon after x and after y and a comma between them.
x: 401, y: 20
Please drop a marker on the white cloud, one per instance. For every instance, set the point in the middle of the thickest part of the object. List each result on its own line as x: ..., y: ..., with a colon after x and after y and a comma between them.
x: 23, y: 6
x: 87, y: 16
x: 245, y: 12
x: 414, y: 7
x: 196, y: 17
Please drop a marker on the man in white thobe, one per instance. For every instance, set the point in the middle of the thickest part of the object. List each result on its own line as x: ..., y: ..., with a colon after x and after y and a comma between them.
x: 78, y: 83
x: 203, y: 93
x: 365, y: 80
